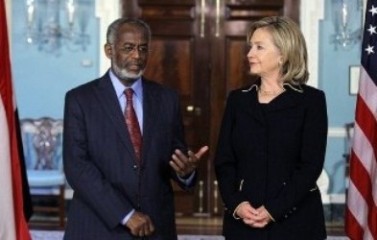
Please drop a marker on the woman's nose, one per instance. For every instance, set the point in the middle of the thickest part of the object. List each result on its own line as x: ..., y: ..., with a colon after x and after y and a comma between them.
x: 250, y: 53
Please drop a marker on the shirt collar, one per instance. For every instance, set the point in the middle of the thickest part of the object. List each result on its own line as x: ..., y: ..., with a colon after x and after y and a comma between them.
x: 286, y: 85
x: 119, y: 87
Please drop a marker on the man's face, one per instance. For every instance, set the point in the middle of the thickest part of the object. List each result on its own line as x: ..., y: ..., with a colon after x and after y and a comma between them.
x: 128, y: 53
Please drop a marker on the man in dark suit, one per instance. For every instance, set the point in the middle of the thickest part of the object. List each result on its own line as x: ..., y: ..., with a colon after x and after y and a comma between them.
x: 122, y: 186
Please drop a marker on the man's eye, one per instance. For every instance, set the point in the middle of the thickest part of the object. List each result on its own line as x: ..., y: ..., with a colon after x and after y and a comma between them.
x: 143, y: 49
x: 128, y: 49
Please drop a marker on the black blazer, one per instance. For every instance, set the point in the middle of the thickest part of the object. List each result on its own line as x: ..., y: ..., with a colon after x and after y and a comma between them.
x: 99, y: 161
x: 272, y: 154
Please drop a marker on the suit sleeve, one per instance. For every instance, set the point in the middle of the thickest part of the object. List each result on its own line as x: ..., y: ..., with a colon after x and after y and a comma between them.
x: 312, y: 156
x: 82, y: 173
x: 179, y: 142
x: 225, y: 161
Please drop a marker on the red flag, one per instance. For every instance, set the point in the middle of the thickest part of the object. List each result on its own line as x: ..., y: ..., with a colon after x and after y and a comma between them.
x: 361, y: 211
x: 17, y: 228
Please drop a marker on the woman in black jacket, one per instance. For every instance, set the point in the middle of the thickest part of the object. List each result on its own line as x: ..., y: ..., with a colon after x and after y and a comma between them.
x: 272, y: 142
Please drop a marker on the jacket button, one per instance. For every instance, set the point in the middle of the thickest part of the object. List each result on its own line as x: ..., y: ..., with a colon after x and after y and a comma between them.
x: 135, y: 166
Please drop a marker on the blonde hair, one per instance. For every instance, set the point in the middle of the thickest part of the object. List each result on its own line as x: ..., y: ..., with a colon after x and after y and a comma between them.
x: 289, y: 40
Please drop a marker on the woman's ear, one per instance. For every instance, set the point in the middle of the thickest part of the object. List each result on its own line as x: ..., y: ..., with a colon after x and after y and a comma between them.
x: 280, y: 61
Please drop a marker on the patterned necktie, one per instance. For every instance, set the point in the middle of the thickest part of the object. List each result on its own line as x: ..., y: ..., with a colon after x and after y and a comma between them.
x: 133, y: 124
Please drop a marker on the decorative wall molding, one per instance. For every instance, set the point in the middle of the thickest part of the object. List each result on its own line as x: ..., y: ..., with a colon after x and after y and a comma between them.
x: 106, y: 11
x: 58, y: 235
x: 311, y: 12
x: 334, y: 198
x: 337, y: 132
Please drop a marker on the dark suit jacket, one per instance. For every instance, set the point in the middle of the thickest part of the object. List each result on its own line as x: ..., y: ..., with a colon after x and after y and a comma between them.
x: 99, y: 161
x: 272, y: 154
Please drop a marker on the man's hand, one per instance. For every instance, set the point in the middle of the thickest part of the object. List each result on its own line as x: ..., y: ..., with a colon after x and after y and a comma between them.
x: 184, y: 165
x: 140, y: 225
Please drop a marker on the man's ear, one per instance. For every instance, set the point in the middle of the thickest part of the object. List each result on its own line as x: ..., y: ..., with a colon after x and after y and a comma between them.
x: 108, y: 50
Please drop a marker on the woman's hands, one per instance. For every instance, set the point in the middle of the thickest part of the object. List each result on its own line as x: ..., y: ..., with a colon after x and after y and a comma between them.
x: 256, y: 218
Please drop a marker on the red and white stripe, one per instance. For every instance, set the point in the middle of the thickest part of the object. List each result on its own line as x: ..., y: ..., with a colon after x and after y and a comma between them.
x: 361, y: 212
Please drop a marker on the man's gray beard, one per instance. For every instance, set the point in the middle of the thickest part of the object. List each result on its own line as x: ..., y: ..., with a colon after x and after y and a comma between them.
x: 123, y: 74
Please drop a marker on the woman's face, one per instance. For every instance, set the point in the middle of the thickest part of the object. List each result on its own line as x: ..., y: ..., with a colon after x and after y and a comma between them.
x: 264, y: 57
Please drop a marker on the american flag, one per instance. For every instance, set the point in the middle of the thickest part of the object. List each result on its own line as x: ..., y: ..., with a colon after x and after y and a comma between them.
x: 361, y: 211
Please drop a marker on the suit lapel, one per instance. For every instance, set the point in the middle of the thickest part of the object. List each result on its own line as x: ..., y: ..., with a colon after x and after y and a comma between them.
x: 253, y: 107
x: 151, y: 111
x: 109, y: 102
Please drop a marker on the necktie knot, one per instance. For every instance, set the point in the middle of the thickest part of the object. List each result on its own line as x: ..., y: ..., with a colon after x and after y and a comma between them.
x: 129, y: 93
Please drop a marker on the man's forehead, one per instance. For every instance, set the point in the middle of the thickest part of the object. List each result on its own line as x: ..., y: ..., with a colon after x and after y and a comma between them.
x: 132, y: 33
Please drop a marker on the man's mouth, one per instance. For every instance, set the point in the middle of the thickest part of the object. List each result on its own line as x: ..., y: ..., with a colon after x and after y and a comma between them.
x: 134, y: 67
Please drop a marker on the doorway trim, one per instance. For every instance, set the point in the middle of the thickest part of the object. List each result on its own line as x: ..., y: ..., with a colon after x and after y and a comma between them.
x: 106, y: 12
x: 311, y: 12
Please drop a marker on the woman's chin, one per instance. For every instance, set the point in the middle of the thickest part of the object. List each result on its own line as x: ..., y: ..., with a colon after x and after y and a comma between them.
x: 253, y: 72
